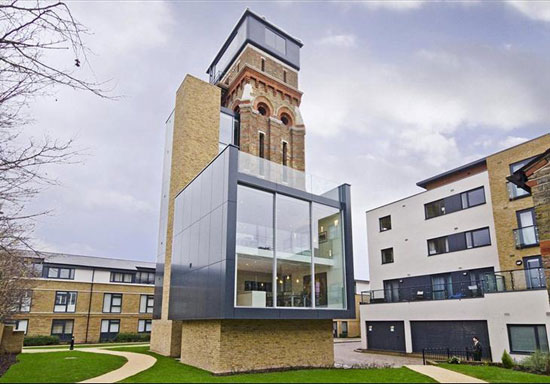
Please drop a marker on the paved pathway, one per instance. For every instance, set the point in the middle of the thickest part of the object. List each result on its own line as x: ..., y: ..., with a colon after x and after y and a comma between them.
x: 136, y: 363
x: 345, y: 355
x: 443, y: 375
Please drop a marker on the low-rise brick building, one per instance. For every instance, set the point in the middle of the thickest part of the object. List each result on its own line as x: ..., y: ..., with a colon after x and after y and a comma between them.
x: 90, y: 298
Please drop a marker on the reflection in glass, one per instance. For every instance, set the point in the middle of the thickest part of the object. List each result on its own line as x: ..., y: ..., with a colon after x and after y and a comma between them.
x: 293, y: 253
x: 328, y: 257
x: 254, y: 248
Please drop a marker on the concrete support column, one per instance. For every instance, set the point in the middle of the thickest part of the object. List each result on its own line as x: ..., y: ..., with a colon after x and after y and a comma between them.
x: 408, y: 336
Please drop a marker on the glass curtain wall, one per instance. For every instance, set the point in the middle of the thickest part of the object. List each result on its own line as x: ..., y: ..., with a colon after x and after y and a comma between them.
x: 308, y: 241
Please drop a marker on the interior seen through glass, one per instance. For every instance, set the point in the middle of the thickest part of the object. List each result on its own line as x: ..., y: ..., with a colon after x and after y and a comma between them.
x: 285, y: 269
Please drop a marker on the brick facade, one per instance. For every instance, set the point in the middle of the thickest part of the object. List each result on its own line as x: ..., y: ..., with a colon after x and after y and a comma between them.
x: 87, y: 316
x: 227, y: 346
x: 504, y: 209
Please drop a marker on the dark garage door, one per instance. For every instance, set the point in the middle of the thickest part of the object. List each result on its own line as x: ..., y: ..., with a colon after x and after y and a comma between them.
x: 449, y: 334
x: 386, y: 335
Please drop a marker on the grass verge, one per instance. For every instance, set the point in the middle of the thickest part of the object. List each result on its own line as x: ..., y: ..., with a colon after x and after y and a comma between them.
x: 169, y: 370
x: 60, y: 367
x: 497, y: 374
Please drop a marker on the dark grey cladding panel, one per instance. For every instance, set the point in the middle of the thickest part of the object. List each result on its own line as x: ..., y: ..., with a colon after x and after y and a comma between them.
x: 345, y: 199
x: 159, y: 280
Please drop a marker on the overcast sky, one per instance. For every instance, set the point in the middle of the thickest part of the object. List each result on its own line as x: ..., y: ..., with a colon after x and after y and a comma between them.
x: 394, y: 92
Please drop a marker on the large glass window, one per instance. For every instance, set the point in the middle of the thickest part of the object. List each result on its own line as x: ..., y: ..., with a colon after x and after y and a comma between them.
x: 112, y: 302
x: 120, y: 277
x: 472, y: 198
x: 478, y: 238
x: 146, y: 303
x: 527, y: 338
x: 514, y: 191
x: 58, y: 273
x: 435, y: 208
x: 274, y: 264
x: 254, y: 248
x: 62, y: 329
x: 437, y: 246
x: 387, y: 255
x: 65, y: 301
x: 385, y: 223
x: 328, y: 255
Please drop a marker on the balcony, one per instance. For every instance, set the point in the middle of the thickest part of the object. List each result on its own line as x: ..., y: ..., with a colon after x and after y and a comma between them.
x: 515, y: 192
x: 497, y: 282
x: 526, y: 237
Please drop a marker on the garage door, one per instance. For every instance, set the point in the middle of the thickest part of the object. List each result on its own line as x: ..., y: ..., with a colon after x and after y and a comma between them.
x: 449, y: 334
x: 386, y: 335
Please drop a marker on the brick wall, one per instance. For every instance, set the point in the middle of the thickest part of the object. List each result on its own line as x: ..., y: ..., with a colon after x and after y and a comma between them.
x: 226, y: 346
x: 504, y: 209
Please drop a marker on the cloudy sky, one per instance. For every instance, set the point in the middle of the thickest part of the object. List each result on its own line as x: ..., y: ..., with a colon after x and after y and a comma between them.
x: 394, y: 92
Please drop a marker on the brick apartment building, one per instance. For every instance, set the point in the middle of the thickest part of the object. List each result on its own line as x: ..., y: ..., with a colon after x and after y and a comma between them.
x: 90, y: 298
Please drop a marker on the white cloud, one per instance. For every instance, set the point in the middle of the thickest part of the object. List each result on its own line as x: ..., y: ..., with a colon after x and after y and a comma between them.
x: 342, y: 40
x: 395, y: 5
x: 536, y: 10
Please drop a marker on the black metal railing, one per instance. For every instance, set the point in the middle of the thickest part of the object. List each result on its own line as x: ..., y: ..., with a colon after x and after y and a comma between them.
x: 526, y: 236
x: 446, y: 354
x: 502, y: 281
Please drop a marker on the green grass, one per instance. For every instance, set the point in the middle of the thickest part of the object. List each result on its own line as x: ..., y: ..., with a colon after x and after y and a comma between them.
x: 60, y: 367
x: 168, y: 370
x: 496, y: 374
x: 100, y: 345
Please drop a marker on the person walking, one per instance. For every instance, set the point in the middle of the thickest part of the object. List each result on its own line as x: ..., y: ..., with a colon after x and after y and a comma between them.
x: 478, y: 349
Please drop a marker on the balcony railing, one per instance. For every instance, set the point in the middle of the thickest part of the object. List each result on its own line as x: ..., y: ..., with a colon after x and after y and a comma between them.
x: 526, y: 236
x: 504, y: 281
x: 515, y: 192
x: 280, y: 174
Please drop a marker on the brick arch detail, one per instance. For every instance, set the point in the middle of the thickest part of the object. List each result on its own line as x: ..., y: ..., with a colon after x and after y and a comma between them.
x: 283, y: 109
x: 264, y: 100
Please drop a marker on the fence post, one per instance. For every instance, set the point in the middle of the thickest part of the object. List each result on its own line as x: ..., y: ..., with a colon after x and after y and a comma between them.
x: 423, y: 356
x: 448, y: 354
x: 467, y: 354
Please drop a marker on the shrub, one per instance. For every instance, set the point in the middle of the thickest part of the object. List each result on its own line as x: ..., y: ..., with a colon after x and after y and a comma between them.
x: 507, y: 361
x: 40, y: 340
x: 538, y: 362
x: 132, y: 337
x: 454, y: 360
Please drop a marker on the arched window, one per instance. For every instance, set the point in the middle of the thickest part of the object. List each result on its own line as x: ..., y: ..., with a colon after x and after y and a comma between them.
x: 286, y: 119
x: 263, y: 109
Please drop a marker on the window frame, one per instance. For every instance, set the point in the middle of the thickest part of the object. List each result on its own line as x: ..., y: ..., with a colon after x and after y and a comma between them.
x: 467, y: 194
x: 380, y: 224
x: 46, y: 272
x: 109, y: 322
x: 446, y: 237
x: 145, y: 322
x: 123, y: 274
x: 261, y: 145
x: 510, y: 168
x: 22, y: 304
x: 471, y: 233
x: 537, y: 337
x: 147, y: 306
x: 64, y: 321
x: 139, y: 279
x: 465, y: 235
x: 112, y: 295
x: 460, y: 195
x: 392, y: 255
x: 16, y: 325
x: 68, y: 294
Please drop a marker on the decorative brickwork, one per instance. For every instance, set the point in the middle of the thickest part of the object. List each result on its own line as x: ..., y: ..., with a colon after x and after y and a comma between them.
x: 504, y: 209
x: 227, y: 346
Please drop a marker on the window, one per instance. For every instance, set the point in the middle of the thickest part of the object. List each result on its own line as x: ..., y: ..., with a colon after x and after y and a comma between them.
x: 121, y: 277
x: 263, y: 64
x: 385, y: 223
x: 527, y: 232
x: 112, y: 302
x: 438, y: 246
x: 275, y: 41
x: 145, y: 277
x: 286, y: 120
x: 473, y: 198
x: 284, y: 75
x: 285, y: 153
x: 527, y: 338
x: 146, y: 303
x: 144, y: 326
x: 435, y: 208
x: 478, y: 238
x: 62, y: 329
x: 261, y: 145
x: 515, y: 192
x: 109, y: 329
x: 22, y: 325
x: 24, y: 304
x: 387, y: 256
x: 65, y: 301
x: 58, y: 273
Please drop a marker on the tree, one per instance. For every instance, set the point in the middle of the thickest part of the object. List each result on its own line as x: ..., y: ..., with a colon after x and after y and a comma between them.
x: 35, y: 37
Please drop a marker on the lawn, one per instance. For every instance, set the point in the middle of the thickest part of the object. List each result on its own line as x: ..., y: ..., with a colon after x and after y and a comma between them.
x: 66, y: 346
x: 60, y: 367
x: 169, y: 370
x: 496, y: 374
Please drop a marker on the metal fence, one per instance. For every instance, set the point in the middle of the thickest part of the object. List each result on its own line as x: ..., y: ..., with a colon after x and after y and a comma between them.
x: 444, y: 354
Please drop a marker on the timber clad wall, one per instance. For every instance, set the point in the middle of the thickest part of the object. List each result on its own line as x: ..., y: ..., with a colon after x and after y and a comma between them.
x: 504, y: 209
x: 42, y: 312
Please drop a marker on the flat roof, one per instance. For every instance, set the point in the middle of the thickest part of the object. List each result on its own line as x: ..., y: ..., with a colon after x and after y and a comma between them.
x: 262, y: 19
x: 91, y: 261
x: 464, y: 167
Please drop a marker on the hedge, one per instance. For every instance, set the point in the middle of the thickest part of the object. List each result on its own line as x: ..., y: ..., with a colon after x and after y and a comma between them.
x: 40, y: 340
x: 132, y: 337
